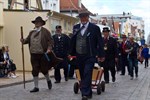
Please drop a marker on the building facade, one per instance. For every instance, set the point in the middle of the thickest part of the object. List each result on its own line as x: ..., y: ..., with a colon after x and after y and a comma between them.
x: 53, y: 5
x: 11, y: 20
x: 124, y: 23
x: 22, y: 4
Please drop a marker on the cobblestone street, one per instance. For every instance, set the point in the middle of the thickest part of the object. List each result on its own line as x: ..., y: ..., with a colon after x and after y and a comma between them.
x: 122, y: 89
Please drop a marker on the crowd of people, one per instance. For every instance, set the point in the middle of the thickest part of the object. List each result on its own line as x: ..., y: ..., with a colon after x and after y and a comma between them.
x: 81, y: 50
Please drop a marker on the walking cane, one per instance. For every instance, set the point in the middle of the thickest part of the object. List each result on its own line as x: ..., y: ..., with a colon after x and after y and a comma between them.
x: 23, y: 57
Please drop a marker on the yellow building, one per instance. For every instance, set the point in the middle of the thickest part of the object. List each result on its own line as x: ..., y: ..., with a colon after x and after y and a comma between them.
x: 1, y: 22
x: 10, y: 34
x: 22, y: 4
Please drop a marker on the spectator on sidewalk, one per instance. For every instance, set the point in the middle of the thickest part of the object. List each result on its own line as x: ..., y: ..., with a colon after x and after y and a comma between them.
x: 2, y: 64
x: 11, y: 67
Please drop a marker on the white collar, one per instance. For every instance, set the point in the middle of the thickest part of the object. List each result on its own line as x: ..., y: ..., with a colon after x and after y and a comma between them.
x: 86, y: 25
x: 37, y: 29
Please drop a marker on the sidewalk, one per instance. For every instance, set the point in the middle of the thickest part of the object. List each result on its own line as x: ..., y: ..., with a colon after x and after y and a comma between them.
x: 4, y: 82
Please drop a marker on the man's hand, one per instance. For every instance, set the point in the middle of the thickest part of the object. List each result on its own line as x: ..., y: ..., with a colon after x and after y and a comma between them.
x: 116, y: 59
x: 48, y: 51
x: 21, y: 40
x: 101, y: 59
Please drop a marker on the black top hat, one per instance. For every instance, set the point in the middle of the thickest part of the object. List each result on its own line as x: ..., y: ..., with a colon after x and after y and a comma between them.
x: 58, y: 27
x: 39, y: 19
x: 83, y: 13
x: 106, y: 29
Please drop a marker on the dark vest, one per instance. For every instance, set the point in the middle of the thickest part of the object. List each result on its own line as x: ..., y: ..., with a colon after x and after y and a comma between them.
x: 81, y: 44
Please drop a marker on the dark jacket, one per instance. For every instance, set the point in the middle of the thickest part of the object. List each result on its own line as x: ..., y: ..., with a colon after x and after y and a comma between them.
x: 94, y: 41
x: 62, y: 45
x: 1, y: 56
x: 111, y: 51
x: 134, y: 50
x: 145, y: 52
x: 46, y: 39
x: 126, y: 47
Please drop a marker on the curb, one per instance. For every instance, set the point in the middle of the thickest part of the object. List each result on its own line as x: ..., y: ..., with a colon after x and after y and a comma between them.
x: 21, y: 82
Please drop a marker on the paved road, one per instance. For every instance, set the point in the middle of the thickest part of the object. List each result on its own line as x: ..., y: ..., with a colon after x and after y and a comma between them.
x: 122, y: 89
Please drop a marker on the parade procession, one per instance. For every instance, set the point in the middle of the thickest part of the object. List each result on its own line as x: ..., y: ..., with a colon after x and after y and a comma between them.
x: 74, y: 50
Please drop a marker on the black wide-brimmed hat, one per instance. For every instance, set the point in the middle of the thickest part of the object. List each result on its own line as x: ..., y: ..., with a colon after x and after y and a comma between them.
x: 39, y: 19
x: 106, y: 29
x: 83, y: 13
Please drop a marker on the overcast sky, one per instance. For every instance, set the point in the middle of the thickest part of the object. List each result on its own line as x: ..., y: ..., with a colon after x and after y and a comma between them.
x: 139, y: 8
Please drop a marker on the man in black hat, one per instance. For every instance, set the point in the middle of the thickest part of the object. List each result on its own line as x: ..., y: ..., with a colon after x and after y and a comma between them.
x: 40, y: 43
x: 124, y: 54
x: 86, y: 44
x: 61, y: 49
x: 111, y: 55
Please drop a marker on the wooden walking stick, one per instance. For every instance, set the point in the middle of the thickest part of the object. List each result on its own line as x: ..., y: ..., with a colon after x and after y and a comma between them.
x: 23, y: 57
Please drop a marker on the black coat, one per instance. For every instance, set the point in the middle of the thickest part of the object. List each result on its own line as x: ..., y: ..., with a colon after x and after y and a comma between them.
x: 112, y: 49
x: 61, y: 45
x: 94, y: 40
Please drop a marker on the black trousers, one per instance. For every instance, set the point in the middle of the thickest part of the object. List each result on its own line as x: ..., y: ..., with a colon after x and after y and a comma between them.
x: 109, y: 65
x: 125, y: 63
x: 64, y: 65
x: 85, y: 65
x: 146, y: 62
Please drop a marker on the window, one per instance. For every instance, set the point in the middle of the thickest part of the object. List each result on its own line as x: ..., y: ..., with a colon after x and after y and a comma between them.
x: 9, y: 3
x: 54, y: 22
x: 26, y: 4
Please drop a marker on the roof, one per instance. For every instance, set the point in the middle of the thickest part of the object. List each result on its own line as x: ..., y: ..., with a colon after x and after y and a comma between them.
x: 69, y: 5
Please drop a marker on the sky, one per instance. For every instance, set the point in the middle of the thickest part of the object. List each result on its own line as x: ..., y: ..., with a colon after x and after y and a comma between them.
x: 140, y: 8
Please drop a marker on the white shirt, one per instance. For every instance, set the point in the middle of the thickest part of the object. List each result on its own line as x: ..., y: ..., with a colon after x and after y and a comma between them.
x: 84, y: 29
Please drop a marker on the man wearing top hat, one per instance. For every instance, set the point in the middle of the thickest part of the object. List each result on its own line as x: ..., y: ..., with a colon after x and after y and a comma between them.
x: 86, y: 44
x: 111, y: 55
x: 61, y: 49
x: 40, y: 42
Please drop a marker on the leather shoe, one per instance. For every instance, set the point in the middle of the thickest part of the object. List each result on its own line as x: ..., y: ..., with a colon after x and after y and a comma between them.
x: 66, y: 79
x: 57, y: 81
x: 71, y: 78
x: 121, y: 74
x: 49, y: 83
x: 113, y: 79
x: 89, y: 96
x: 34, y: 90
x: 106, y: 82
x: 84, y: 98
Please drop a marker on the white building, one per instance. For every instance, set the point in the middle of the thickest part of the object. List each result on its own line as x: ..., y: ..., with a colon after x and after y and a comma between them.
x: 128, y: 24
x: 53, y: 5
